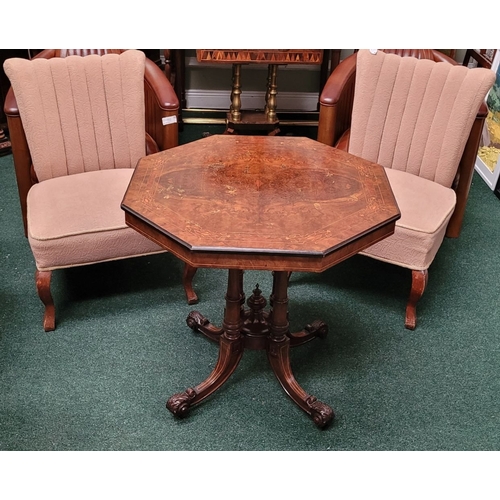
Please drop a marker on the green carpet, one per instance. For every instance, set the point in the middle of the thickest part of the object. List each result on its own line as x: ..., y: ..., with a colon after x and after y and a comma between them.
x: 122, y: 347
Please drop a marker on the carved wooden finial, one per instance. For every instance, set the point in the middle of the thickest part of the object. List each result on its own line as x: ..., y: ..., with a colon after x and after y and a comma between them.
x: 256, y: 301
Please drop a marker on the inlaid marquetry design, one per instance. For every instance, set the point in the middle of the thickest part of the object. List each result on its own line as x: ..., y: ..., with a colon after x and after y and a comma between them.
x: 264, y: 56
x: 260, y: 194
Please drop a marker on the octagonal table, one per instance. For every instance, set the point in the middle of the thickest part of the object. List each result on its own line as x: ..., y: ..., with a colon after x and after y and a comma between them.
x: 281, y: 204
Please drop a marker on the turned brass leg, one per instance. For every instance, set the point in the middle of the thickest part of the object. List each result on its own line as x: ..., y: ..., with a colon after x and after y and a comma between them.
x: 418, y: 283
x: 42, y: 280
x: 235, y: 109
x: 272, y: 92
x: 279, y: 355
x: 230, y: 352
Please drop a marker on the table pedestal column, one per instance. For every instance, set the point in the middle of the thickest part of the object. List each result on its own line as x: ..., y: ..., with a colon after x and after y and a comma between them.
x: 254, y: 328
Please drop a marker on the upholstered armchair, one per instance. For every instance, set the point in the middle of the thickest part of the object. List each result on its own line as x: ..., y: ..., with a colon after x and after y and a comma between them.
x: 78, y: 126
x: 420, y: 116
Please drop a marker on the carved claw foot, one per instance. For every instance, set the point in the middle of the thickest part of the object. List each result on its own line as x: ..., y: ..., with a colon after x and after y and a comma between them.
x: 199, y: 323
x: 279, y: 358
x: 321, y: 413
x: 196, y: 320
x: 180, y: 404
x: 317, y: 328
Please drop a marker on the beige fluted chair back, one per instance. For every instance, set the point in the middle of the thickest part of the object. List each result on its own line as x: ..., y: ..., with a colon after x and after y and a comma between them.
x: 415, y: 117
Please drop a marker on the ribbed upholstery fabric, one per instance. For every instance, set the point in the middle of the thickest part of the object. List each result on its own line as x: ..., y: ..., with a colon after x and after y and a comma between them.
x: 415, y: 115
x: 418, y: 53
x: 85, y: 52
x: 81, y: 114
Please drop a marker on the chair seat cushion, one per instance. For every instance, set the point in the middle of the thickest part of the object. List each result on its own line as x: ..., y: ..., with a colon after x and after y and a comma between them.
x: 76, y: 220
x: 426, y: 208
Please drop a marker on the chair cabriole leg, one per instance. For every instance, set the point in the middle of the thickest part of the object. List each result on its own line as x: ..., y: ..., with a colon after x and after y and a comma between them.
x: 418, y: 283
x: 42, y: 279
x: 187, y: 281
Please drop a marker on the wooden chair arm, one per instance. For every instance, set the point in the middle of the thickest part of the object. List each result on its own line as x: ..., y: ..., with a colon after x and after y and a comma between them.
x: 151, y: 146
x: 162, y: 107
x: 343, y: 142
x: 465, y: 173
x: 47, y: 54
x: 335, y: 103
x: 10, y: 104
x: 440, y: 57
x: 22, y: 160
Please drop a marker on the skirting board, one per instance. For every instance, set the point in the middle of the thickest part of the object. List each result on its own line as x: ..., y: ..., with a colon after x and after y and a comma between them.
x: 221, y: 99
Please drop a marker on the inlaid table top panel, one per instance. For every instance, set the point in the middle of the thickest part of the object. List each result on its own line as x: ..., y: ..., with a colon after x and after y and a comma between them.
x: 263, y: 56
x: 255, y: 196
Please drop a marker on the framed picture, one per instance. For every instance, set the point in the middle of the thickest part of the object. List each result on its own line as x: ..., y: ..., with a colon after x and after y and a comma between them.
x: 488, y: 156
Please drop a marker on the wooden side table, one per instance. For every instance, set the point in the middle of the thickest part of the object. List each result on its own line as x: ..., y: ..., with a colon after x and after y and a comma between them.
x: 238, y: 120
x: 281, y: 204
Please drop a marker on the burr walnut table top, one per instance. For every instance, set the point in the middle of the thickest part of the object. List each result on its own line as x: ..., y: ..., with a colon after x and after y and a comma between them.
x: 260, y: 202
